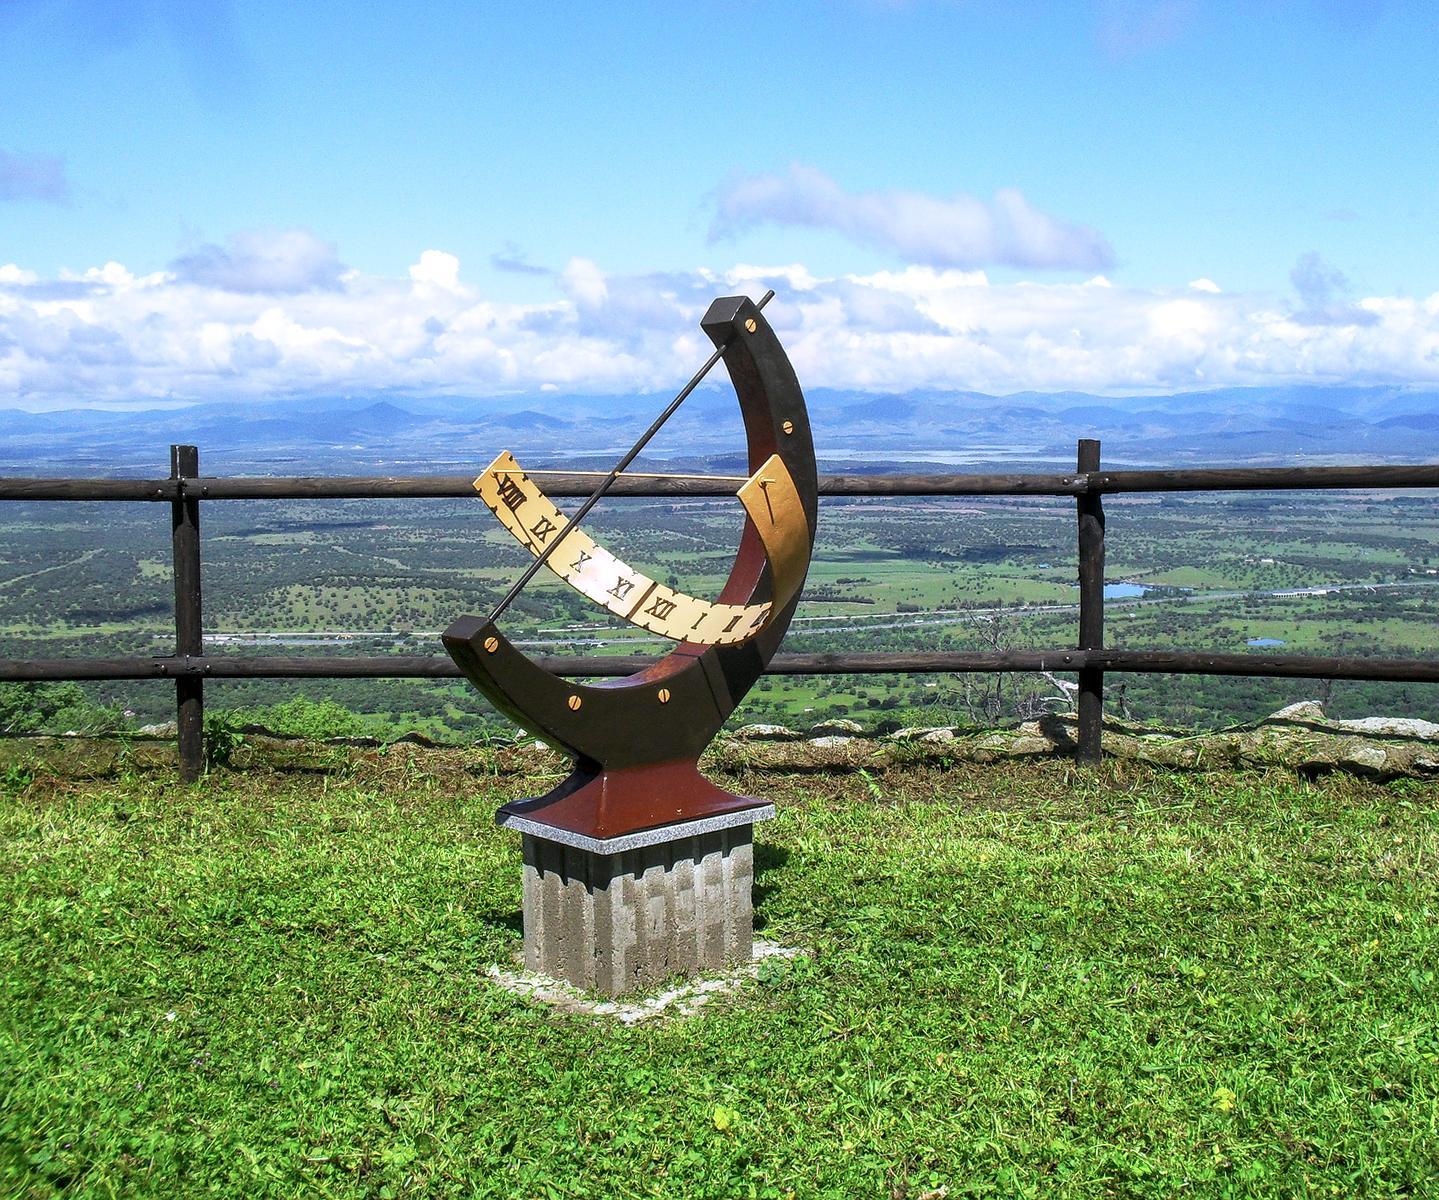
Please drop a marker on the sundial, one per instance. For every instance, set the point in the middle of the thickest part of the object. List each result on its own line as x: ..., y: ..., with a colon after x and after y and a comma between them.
x: 635, y: 741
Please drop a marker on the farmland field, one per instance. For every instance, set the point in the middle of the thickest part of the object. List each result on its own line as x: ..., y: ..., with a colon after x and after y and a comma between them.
x: 1337, y: 573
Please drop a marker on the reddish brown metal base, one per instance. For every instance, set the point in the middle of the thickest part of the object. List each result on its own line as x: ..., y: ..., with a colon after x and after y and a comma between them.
x: 607, y: 803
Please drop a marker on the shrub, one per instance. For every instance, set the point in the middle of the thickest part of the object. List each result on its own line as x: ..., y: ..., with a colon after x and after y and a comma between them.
x: 306, y: 718
x: 55, y: 707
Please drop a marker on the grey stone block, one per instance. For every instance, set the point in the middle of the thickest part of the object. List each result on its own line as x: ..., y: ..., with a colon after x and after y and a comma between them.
x: 615, y: 922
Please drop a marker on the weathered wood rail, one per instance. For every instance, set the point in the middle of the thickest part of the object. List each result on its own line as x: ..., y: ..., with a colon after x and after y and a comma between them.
x: 189, y: 666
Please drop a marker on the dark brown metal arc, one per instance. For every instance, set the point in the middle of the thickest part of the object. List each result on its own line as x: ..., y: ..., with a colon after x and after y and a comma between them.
x: 638, y: 736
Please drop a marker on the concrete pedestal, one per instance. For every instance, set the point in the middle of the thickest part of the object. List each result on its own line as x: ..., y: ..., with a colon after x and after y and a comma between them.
x: 627, y: 912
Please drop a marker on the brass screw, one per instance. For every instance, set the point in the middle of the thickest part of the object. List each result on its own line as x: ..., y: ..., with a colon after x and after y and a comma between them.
x: 574, y: 703
x: 788, y: 426
x: 492, y: 644
x: 664, y: 695
x: 751, y: 325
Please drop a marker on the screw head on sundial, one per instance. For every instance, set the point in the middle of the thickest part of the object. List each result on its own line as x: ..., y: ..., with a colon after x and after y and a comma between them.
x: 635, y: 760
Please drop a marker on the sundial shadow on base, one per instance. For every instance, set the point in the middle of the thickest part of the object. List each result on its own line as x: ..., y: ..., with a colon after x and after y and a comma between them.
x: 636, y: 863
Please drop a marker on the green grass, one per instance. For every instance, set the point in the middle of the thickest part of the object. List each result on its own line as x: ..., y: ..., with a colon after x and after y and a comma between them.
x: 1025, y: 981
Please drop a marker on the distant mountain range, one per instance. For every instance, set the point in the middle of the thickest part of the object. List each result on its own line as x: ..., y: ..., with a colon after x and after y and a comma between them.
x: 854, y: 431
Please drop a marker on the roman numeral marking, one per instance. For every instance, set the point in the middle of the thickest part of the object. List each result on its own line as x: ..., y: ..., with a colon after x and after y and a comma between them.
x: 511, y: 494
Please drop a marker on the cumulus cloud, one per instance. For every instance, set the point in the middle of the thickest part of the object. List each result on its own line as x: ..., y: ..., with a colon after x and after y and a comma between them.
x: 436, y: 269
x: 111, y: 336
x: 960, y: 231
x: 584, y: 283
x: 33, y: 177
x: 1324, y: 292
x: 273, y: 261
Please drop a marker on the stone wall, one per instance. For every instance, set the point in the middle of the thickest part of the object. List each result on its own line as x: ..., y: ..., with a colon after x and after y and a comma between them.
x: 1299, y: 737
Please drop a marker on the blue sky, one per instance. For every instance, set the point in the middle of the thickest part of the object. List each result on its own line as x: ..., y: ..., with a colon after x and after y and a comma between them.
x: 278, y: 170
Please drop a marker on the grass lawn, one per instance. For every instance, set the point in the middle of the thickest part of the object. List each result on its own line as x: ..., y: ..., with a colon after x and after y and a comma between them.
x: 1025, y: 981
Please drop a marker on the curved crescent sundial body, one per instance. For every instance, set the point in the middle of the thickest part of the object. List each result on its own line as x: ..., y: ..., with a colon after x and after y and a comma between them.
x: 635, y: 741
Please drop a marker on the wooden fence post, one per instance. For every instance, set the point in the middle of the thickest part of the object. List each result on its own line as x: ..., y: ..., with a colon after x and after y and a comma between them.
x: 1091, y: 608
x: 189, y: 633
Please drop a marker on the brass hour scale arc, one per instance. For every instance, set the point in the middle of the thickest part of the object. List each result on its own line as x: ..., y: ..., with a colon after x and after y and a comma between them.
x: 769, y: 498
x: 635, y: 741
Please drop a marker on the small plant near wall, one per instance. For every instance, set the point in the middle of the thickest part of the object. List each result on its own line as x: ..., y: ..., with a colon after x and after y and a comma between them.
x: 222, y: 739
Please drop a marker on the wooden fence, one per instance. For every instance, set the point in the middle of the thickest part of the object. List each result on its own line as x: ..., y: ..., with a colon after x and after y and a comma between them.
x: 190, y: 665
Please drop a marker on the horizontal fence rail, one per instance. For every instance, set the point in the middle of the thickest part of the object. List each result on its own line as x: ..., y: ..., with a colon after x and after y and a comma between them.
x: 1086, y: 485
x: 959, y: 662
x: 455, y: 487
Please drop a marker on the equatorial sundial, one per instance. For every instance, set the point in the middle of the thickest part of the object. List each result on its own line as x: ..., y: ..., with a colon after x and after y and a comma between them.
x: 636, y: 741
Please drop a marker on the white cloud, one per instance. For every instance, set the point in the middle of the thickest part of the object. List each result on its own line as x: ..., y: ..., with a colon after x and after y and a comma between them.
x: 584, y: 283
x: 794, y: 277
x: 1204, y: 284
x: 111, y: 273
x: 961, y: 231
x: 275, y: 261
x: 437, y: 269
x: 108, y: 335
